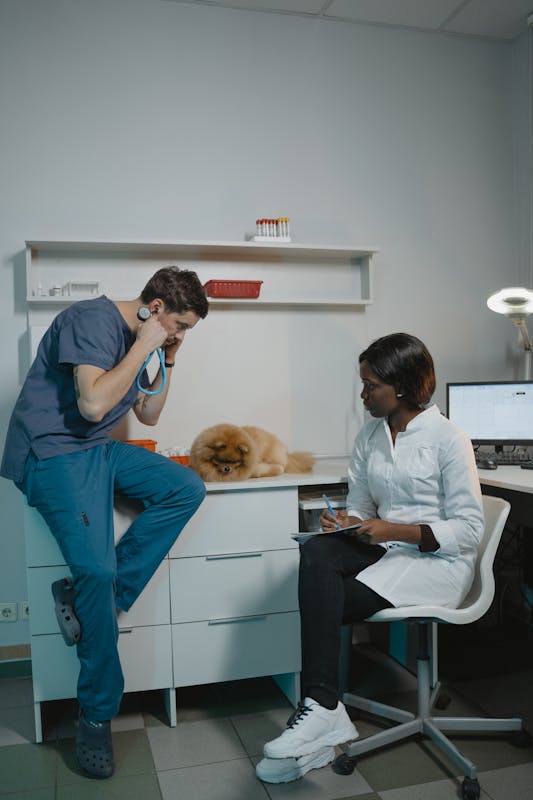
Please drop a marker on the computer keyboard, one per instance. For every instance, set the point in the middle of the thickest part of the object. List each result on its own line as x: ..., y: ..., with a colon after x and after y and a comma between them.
x: 505, y: 459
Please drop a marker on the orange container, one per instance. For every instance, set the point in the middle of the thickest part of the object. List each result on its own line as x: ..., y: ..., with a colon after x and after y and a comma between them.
x: 242, y: 289
x: 148, y: 444
x: 185, y: 460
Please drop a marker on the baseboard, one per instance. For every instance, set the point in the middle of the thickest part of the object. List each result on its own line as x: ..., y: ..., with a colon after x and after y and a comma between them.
x: 15, y: 661
x: 15, y: 651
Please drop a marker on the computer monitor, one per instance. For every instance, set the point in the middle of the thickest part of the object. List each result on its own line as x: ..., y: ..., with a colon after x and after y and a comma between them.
x: 495, y: 413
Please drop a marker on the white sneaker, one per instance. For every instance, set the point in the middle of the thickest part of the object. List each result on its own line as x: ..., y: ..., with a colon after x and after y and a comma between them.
x: 283, y: 770
x: 311, y: 727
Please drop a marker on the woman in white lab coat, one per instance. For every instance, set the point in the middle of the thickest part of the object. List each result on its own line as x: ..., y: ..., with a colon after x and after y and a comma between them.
x: 414, y: 488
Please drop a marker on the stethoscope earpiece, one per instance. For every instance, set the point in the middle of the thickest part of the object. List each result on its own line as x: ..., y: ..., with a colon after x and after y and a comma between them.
x: 143, y: 313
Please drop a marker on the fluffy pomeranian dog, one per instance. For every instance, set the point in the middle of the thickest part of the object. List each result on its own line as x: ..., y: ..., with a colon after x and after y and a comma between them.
x: 230, y: 453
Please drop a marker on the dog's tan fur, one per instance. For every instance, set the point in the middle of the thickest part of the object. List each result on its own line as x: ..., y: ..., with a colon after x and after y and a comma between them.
x: 230, y: 453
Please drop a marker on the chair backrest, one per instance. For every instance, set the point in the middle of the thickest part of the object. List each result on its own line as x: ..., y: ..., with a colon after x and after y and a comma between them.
x: 496, y: 510
x: 478, y: 600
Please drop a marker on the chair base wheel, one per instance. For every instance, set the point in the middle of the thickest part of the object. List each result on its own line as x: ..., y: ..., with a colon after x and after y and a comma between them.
x: 442, y: 701
x: 521, y: 738
x: 470, y: 789
x: 343, y: 765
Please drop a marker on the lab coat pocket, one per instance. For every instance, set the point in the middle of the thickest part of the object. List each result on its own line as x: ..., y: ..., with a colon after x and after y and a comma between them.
x: 422, y: 467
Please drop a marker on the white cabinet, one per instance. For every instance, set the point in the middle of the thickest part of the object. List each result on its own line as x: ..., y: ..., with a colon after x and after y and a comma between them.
x: 222, y: 606
x: 292, y: 274
x: 238, y: 521
x: 145, y: 655
x: 236, y: 648
x: 236, y: 584
x: 233, y: 590
x: 152, y: 607
x: 145, y: 645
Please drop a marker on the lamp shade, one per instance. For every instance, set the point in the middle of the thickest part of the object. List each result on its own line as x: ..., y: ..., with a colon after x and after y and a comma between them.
x: 514, y: 301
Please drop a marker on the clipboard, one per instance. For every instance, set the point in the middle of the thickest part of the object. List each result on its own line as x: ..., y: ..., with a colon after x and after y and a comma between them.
x: 303, y: 537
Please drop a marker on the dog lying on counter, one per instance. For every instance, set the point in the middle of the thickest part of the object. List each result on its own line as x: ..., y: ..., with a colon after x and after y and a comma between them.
x: 230, y: 453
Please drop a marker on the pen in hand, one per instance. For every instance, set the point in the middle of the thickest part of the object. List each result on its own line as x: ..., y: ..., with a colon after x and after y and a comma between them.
x: 330, y: 509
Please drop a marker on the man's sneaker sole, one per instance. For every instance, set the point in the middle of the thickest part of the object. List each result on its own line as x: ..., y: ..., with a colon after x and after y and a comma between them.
x: 284, y: 770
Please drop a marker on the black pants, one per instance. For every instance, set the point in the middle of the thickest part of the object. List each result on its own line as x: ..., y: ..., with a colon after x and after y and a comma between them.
x: 329, y: 596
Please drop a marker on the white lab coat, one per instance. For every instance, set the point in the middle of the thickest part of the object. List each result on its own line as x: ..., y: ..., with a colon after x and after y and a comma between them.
x: 428, y: 476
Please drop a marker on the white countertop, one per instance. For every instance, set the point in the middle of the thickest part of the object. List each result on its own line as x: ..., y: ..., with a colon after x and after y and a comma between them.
x: 515, y: 479
x: 335, y: 470
x: 325, y: 470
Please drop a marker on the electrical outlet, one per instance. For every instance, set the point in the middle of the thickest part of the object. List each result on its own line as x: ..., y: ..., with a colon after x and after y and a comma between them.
x: 8, y: 612
x: 24, y: 609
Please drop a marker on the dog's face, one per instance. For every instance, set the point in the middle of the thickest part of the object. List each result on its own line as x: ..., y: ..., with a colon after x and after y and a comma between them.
x: 223, y: 453
x: 228, y: 457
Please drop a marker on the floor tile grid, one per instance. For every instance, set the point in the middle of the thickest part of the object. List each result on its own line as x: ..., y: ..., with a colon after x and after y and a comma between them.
x: 244, y: 735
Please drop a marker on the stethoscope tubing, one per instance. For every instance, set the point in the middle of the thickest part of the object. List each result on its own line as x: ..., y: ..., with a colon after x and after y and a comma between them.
x: 161, y: 353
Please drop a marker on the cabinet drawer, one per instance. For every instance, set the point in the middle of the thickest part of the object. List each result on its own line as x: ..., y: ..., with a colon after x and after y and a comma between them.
x: 145, y: 655
x: 146, y: 658
x: 41, y: 546
x: 151, y: 608
x: 246, y: 647
x: 235, y: 585
x: 241, y: 521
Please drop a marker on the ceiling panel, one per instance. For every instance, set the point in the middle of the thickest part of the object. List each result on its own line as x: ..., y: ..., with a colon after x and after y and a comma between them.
x: 501, y: 18
x: 413, y: 13
x: 291, y: 6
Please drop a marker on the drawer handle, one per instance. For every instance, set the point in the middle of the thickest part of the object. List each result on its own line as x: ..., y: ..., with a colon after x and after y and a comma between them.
x: 233, y: 555
x: 125, y: 630
x: 231, y: 620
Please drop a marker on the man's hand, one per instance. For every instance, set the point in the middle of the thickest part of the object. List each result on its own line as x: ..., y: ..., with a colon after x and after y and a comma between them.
x: 151, y: 334
x: 171, y: 350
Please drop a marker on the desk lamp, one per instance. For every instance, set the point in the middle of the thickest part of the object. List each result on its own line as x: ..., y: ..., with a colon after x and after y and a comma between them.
x: 516, y: 302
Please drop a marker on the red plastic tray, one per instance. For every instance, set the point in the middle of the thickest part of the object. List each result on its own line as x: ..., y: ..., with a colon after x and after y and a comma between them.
x: 148, y: 444
x: 185, y: 460
x: 248, y: 289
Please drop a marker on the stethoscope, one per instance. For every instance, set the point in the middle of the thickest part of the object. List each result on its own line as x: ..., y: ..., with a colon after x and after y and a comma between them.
x: 143, y: 314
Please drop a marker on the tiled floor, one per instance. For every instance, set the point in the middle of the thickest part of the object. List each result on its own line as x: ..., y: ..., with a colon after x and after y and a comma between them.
x: 221, y: 729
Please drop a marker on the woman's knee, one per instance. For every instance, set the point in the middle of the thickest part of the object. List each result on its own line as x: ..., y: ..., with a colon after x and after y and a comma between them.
x: 317, y: 551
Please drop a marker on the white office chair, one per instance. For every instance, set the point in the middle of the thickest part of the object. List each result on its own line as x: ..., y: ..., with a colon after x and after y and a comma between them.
x: 474, y: 606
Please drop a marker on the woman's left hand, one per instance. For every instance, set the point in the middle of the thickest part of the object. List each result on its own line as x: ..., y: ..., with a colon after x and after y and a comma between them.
x: 375, y: 531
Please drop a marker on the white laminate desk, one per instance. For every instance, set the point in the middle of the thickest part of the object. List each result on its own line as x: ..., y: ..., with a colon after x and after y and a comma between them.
x: 514, y: 479
x: 515, y: 485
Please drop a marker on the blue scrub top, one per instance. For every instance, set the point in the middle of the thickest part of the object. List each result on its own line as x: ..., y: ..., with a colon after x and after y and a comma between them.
x: 46, y: 418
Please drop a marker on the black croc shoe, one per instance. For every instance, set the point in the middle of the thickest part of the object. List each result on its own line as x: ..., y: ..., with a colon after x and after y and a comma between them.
x: 94, y: 748
x: 69, y: 625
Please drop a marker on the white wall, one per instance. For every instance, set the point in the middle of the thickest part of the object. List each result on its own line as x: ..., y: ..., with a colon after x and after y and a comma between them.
x: 145, y: 119
x: 522, y: 114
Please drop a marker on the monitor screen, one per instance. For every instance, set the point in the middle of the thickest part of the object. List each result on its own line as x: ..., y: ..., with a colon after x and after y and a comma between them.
x: 497, y: 413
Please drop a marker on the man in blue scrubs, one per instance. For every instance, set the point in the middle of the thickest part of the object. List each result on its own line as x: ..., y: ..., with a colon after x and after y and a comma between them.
x: 58, y: 452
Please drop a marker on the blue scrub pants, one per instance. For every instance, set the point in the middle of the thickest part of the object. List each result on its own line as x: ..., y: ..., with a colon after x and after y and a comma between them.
x: 74, y: 493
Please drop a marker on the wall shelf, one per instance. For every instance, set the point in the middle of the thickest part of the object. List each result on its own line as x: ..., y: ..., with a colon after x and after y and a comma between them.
x: 293, y: 274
